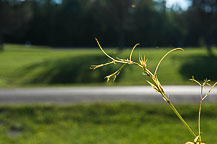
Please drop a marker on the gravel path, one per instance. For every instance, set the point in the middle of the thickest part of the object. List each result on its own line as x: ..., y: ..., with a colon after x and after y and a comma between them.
x: 72, y: 95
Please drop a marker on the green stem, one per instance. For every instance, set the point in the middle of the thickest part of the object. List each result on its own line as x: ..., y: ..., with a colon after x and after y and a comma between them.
x: 153, y: 77
x: 181, y: 119
x: 199, y: 113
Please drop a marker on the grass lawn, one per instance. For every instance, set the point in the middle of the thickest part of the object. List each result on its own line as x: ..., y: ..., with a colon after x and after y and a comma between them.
x: 22, y: 66
x: 120, y: 123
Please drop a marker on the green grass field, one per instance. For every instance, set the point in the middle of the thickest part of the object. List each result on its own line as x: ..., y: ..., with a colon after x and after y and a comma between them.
x: 120, y: 123
x: 22, y: 66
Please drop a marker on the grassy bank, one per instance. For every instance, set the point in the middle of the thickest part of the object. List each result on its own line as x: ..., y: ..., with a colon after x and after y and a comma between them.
x: 103, y: 124
x: 41, y: 66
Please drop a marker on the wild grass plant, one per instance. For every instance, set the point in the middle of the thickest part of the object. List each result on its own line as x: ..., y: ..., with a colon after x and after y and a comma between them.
x: 155, y: 83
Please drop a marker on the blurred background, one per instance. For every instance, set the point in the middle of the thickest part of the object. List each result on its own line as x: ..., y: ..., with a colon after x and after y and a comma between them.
x: 50, y: 44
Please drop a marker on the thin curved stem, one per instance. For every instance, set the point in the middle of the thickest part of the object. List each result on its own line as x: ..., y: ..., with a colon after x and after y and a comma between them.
x: 133, y: 51
x: 164, y: 57
x: 154, y: 78
x: 103, y: 50
x: 209, y: 91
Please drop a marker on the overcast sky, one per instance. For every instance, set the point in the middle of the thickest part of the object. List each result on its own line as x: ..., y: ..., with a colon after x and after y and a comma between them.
x: 182, y: 3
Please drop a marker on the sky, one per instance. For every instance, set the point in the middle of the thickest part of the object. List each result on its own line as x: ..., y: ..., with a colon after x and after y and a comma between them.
x: 184, y: 4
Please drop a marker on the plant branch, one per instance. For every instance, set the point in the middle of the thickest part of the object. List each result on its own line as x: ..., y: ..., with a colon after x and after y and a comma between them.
x: 164, y: 57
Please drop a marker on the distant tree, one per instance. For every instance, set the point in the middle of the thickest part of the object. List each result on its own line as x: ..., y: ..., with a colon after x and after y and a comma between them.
x: 116, y: 15
x: 155, y: 25
x: 149, y: 22
x: 70, y: 29
x: 13, y: 14
x: 202, y: 19
x: 120, y: 13
x: 74, y: 23
x: 43, y: 22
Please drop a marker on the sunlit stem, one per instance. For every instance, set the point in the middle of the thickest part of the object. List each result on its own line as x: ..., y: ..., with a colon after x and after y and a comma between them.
x: 171, y: 105
x: 209, y: 91
x: 133, y: 51
x: 180, y: 118
x: 199, y: 113
x: 157, y: 85
x: 164, y: 57
x: 103, y: 50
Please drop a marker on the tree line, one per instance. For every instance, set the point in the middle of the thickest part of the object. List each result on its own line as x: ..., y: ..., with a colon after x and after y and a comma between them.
x: 122, y: 23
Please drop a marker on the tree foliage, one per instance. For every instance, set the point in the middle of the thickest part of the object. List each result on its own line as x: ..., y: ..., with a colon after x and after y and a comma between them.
x: 13, y: 16
x: 202, y: 22
x: 75, y: 23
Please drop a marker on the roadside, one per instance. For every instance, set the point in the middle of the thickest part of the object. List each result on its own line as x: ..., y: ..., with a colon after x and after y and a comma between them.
x: 73, y: 95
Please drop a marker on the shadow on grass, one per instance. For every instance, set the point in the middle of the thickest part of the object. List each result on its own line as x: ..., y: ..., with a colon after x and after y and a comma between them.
x: 67, y: 70
x: 201, y: 67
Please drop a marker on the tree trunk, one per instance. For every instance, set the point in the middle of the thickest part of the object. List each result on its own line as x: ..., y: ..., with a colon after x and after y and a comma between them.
x: 1, y: 42
x: 121, y: 40
x: 209, y: 47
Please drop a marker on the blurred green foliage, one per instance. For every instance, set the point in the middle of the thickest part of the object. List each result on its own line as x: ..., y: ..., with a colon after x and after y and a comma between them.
x: 102, y: 123
x: 75, y: 23
x: 36, y: 66
x: 200, y: 66
x: 66, y: 70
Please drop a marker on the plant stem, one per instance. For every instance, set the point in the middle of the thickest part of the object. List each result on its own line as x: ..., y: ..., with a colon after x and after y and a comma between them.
x: 199, y: 113
x: 181, y: 119
x: 161, y: 91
